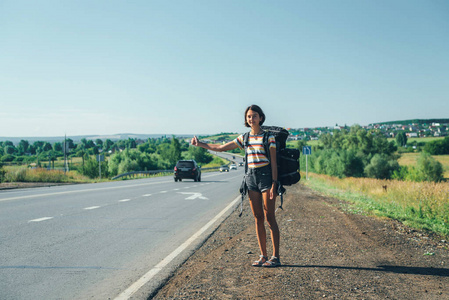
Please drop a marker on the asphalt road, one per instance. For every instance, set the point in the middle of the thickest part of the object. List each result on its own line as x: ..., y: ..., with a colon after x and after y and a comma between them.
x: 93, y: 241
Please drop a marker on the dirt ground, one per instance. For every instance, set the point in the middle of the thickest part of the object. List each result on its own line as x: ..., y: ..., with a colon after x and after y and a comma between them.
x: 326, y: 253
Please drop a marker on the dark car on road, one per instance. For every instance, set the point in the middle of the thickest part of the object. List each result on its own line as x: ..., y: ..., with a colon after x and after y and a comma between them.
x: 187, y: 169
x: 224, y: 168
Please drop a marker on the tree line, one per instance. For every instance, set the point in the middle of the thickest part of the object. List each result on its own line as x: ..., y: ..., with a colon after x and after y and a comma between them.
x: 123, y: 155
x: 358, y: 152
x: 352, y: 152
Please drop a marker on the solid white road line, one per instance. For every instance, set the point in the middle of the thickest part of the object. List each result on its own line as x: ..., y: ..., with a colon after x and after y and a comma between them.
x: 151, y: 273
x: 91, y: 207
x: 41, y: 219
x: 78, y: 191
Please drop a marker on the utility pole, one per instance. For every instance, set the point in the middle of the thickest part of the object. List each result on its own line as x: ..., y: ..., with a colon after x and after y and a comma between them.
x: 65, y: 137
x: 100, y: 158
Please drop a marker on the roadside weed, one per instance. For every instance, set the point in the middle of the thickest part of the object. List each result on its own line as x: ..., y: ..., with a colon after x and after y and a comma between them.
x: 423, y: 205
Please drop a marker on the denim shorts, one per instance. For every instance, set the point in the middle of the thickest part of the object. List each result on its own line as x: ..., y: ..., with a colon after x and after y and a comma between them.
x: 259, y: 179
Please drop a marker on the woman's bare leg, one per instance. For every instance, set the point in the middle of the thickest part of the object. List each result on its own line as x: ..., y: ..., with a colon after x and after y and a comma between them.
x: 269, y: 209
x: 255, y: 200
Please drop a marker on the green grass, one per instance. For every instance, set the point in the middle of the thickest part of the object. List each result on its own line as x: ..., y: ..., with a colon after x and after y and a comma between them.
x: 294, y: 144
x: 411, y: 159
x: 24, y: 174
x: 216, y: 162
x: 419, y: 140
x: 421, y: 206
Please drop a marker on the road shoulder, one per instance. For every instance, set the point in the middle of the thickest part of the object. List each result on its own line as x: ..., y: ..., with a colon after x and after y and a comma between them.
x: 325, y: 251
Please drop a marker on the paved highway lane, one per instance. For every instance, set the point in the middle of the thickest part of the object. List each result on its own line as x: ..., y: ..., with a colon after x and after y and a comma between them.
x: 96, y: 240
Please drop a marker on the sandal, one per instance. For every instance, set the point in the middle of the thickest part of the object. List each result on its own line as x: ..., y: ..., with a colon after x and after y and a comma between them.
x: 272, y: 262
x: 261, y: 261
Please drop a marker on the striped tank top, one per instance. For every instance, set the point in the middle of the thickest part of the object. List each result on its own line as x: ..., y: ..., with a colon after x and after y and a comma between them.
x: 257, y: 157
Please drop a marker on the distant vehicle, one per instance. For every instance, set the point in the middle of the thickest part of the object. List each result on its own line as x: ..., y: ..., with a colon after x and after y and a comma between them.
x: 233, y: 167
x: 240, y: 164
x: 187, y: 169
x: 224, y: 168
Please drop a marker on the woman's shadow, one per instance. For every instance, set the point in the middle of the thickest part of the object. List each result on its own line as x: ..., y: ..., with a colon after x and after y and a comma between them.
x: 385, y: 268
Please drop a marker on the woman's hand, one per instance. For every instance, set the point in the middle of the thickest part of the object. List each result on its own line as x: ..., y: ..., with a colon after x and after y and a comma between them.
x: 194, y: 141
x: 273, y: 191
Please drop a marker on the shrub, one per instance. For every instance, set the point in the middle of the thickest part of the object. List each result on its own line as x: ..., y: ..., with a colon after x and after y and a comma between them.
x: 7, y: 158
x: 429, y: 169
x: 2, y: 174
x: 438, y: 147
x: 128, y: 165
x: 91, y: 169
x: 381, y: 167
x: 354, y: 165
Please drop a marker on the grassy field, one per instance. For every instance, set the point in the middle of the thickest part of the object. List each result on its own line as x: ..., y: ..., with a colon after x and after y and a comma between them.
x: 59, y: 163
x: 294, y: 144
x: 420, y: 140
x: 422, y: 205
x: 25, y: 174
x: 410, y: 159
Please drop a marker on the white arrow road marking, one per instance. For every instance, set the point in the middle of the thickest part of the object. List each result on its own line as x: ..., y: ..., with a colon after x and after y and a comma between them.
x: 91, y: 207
x: 41, y: 219
x: 194, y: 196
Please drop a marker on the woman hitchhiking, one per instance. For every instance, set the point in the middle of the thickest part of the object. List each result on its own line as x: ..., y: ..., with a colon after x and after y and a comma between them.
x: 261, y: 181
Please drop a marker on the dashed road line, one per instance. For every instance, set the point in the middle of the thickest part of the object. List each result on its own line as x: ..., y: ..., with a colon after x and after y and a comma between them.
x: 92, y: 207
x: 146, y: 195
x: 78, y: 191
x: 124, y: 200
x: 40, y: 219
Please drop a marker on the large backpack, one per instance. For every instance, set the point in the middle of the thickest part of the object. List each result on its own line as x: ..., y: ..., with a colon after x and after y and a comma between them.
x: 287, y: 159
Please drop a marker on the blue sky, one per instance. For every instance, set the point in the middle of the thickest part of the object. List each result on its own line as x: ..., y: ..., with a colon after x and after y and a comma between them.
x: 192, y: 67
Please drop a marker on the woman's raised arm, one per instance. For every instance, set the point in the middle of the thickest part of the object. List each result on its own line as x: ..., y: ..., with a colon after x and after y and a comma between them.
x: 214, y: 147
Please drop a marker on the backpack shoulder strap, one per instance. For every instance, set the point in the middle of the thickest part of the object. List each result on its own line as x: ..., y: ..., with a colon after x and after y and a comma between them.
x: 245, y: 139
x: 266, y: 135
x: 245, y: 145
x: 243, y: 187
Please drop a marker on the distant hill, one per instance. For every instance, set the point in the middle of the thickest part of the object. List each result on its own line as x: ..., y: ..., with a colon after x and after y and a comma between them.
x: 415, y: 121
x: 78, y: 138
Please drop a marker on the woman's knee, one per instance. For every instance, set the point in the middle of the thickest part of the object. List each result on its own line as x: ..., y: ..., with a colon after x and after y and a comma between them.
x: 271, y: 219
x: 259, y: 217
